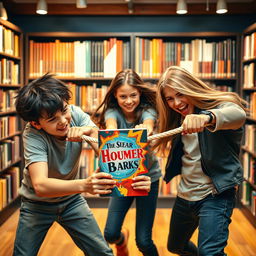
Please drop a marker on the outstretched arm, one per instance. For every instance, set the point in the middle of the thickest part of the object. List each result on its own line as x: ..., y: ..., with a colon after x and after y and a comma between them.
x: 98, y: 183
x: 148, y: 124
x: 111, y: 123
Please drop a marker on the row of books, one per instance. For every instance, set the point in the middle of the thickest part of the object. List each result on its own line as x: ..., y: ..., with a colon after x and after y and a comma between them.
x: 249, y: 76
x: 9, y: 151
x: 9, y: 72
x: 79, y: 59
x: 9, y: 42
x: 249, y: 197
x: 251, y: 99
x: 9, y: 125
x: 9, y: 185
x: 250, y: 137
x: 204, y: 59
x: 7, y: 100
x: 249, y: 166
x: 249, y: 46
x: 88, y: 97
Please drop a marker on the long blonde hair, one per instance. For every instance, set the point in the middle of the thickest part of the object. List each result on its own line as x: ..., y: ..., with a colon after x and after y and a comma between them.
x: 199, y: 94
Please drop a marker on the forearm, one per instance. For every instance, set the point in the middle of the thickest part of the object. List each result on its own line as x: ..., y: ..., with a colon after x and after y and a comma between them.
x: 111, y: 123
x: 229, y: 117
x: 51, y: 187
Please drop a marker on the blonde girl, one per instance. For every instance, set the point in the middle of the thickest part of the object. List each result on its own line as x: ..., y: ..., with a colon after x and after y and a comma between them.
x: 206, y: 155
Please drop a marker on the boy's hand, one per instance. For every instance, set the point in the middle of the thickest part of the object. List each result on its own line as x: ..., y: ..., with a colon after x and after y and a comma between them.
x: 75, y: 133
x: 142, y: 182
x: 99, y: 183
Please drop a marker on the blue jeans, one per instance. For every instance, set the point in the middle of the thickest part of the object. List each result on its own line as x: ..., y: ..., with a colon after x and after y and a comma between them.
x: 145, y: 214
x: 72, y: 214
x: 212, y: 216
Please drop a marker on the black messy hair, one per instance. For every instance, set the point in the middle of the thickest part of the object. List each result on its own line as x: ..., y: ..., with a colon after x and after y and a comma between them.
x: 43, y: 96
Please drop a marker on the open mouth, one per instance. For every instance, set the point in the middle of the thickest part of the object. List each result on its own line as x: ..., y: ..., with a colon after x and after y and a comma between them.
x: 183, y: 110
x: 63, y: 129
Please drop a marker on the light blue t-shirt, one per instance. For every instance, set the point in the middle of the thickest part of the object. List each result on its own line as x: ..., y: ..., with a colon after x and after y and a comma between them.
x: 62, y: 156
x: 122, y: 123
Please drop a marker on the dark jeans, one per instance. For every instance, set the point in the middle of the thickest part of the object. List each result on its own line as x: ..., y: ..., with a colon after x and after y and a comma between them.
x: 212, y: 216
x: 145, y: 214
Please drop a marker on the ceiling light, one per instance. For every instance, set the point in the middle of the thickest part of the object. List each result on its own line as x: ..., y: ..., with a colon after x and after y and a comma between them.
x: 41, y: 7
x: 181, y: 7
x: 221, y: 7
x: 3, y: 13
x: 81, y: 4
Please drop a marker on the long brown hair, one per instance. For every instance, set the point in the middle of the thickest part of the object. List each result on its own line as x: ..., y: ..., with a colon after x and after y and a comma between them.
x: 199, y: 94
x: 130, y: 77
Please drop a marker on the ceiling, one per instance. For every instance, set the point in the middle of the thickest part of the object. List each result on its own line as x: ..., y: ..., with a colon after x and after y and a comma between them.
x: 120, y: 7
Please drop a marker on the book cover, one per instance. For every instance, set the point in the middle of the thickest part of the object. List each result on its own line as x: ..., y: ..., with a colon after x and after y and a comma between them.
x: 122, y: 154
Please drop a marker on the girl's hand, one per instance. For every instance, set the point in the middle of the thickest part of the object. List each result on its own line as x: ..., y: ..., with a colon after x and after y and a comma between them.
x: 149, y: 129
x: 142, y: 182
x: 194, y: 123
x: 99, y: 183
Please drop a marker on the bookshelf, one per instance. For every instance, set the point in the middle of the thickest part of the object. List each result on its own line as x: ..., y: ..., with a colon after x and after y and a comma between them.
x: 248, y: 91
x: 220, y: 70
x: 11, y: 78
x: 212, y: 56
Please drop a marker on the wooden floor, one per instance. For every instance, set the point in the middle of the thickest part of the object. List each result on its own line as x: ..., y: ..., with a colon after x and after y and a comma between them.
x: 242, y: 238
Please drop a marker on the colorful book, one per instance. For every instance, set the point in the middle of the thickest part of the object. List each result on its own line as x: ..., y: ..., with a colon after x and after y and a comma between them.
x: 122, y: 153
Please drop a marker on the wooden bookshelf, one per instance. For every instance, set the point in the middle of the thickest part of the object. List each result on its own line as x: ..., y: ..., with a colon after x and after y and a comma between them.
x: 248, y: 91
x: 11, y: 79
x: 211, y: 56
x: 227, y: 79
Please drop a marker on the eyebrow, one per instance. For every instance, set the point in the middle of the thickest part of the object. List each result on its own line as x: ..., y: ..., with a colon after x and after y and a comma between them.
x: 50, y: 119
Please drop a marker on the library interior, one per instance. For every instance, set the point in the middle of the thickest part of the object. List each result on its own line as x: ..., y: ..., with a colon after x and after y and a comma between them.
x: 85, y: 44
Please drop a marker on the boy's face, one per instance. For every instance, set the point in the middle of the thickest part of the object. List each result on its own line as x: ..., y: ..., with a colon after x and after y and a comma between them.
x: 57, y: 125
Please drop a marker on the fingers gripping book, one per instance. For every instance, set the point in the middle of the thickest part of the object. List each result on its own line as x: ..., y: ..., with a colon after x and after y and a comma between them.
x: 122, y: 153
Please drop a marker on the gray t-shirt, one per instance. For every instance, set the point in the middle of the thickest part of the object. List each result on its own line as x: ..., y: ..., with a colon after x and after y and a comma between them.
x: 122, y: 123
x: 194, y: 184
x: 62, y: 156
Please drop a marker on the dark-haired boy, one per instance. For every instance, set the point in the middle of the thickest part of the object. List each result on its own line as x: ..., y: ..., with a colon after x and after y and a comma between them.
x: 50, y: 189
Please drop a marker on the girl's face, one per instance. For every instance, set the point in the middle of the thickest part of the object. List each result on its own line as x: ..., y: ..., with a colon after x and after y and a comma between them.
x: 57, y: 125
x: 178, y: 102
x: 128, y: 98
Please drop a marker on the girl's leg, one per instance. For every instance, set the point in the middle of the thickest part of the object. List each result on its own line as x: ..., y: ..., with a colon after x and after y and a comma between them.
x: 145, y: 214
x: 182, y: 226
x: 215, y: 216
x: 34, y: 222
x: 76, y: 217
x: 117, y: 209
